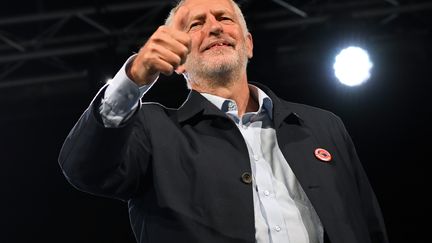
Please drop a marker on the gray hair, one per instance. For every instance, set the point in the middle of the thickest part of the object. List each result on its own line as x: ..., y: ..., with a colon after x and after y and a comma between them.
x: 236, y: 7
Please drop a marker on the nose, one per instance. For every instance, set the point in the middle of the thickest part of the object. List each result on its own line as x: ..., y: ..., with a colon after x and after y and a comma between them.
x: 215, y: 27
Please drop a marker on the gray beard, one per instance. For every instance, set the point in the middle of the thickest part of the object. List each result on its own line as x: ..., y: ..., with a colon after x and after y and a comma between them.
x: 221, y: 74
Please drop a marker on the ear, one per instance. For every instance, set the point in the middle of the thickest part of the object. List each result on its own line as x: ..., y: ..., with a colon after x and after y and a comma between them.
x: 249, y: 45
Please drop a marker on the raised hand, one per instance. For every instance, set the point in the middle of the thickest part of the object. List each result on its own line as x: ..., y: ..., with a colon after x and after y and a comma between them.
x: 164, y: 52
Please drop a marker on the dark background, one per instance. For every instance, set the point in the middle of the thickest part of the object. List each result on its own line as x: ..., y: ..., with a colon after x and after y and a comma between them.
x: 55, y: 55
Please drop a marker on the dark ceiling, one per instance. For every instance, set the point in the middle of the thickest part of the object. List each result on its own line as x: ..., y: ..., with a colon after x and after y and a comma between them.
x: 55, y: 55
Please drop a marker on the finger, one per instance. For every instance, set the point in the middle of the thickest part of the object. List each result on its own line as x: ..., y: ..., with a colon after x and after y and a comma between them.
x: 170, y: 57
x: 180, y: 18
x: 185, y: 39
x: 164, y: 67
x: 179, y: 49
x: 178, y: 42
x: 180, y: 69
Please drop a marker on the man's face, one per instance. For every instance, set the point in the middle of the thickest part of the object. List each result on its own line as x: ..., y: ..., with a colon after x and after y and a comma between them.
x: 219, y: 43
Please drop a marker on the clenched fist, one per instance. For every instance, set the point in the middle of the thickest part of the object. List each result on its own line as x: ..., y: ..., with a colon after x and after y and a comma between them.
x: 164, y: 52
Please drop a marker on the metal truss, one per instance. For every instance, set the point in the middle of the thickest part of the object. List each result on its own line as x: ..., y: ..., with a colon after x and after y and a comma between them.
x: 320, y: 13
x: 69, y: 33
x: 59, y: 38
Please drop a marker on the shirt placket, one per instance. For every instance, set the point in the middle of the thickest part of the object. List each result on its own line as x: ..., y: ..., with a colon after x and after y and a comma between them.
x: 265, y: 190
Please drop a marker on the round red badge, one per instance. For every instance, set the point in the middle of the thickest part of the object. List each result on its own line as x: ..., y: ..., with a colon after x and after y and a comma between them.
x: 323, y: 155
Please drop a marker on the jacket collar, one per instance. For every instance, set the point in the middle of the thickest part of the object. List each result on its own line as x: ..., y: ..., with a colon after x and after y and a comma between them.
x: 198, y: 104
x: 282, y: 110
x: 265, y: 103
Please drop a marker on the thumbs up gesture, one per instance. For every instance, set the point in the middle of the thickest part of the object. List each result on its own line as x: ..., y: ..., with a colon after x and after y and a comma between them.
x: 164, y: 51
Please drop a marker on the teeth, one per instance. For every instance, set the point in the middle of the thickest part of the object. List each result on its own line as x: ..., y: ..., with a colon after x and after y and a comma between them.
x: 218, y: 44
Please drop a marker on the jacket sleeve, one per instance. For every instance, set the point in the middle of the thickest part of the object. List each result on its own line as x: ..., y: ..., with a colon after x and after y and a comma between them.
x: 104, y: 161
x: 370, y: 207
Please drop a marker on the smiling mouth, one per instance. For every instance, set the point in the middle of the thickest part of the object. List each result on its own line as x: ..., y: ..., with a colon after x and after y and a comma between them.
x: 218, y: 45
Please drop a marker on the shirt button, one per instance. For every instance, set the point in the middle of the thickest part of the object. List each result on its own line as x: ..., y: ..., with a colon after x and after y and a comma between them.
x: 266, y: 193
x: 231, y: 106
x: 256, y: 157
x: 246, y: 178
x: 277, y: 228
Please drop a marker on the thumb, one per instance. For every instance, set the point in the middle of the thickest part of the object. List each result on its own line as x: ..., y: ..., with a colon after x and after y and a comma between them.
x: 180, y: 18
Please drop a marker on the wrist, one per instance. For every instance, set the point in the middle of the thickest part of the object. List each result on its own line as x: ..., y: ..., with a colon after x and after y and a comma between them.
x: 140, y: 80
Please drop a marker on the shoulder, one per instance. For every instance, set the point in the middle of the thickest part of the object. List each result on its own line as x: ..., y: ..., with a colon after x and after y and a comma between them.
x: 153, y: 111
x: 326, y: 127
x: 314, y: 117
x: 301, y: 110
x: 308, y: 111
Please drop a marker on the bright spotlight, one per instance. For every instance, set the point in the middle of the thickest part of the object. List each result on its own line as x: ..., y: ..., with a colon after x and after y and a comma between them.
x: 352, y: 66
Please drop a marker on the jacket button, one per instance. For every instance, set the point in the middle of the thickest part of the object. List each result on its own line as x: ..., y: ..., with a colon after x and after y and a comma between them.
x: 246, y: 178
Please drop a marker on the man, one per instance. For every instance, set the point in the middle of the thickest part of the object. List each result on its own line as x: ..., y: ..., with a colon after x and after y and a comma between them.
x: 234, y: 163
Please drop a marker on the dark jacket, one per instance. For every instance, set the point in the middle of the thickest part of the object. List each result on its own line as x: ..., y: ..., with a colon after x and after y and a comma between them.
x: 186, y: 173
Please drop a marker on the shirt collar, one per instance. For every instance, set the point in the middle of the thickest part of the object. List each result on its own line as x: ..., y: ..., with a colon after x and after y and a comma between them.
x: 265, y: 104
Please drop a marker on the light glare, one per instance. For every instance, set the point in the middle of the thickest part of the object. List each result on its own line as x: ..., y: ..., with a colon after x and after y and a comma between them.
x: 352, y: 66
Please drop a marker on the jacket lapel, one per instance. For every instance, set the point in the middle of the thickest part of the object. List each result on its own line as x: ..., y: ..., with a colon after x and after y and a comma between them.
x: 196, y: 104
x: 296, y: 142
x: 298, y: 146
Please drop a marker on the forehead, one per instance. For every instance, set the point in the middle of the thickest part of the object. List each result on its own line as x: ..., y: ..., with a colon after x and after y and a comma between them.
x: 198, y: 7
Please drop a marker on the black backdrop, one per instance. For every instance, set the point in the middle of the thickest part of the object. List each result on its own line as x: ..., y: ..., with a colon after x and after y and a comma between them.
x: 388, y: 119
